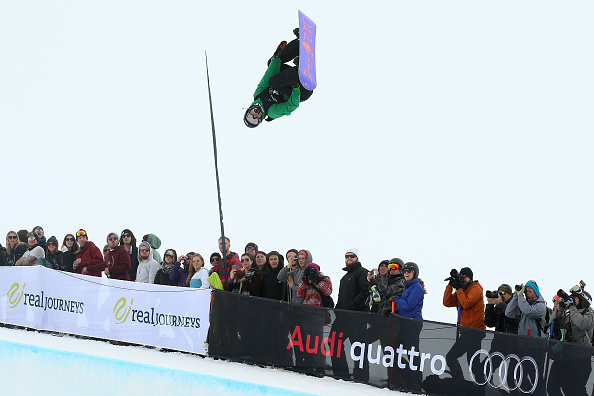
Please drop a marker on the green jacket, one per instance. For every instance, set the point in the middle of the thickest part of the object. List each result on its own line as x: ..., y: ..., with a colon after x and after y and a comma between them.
x: 277, y: 109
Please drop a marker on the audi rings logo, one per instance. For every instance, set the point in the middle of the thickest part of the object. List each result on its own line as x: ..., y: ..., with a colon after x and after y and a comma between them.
x: 521, y: 382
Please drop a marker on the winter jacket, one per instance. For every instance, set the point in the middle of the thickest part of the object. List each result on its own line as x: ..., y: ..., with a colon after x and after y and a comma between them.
x: 411, y: 302
x: 179, y: 274
x: 274, y: 103
x: 133, y: 252
x: 147, y: 269
x: 582, y: 325
x: 163, y: 277
x: 200, y: 279
x: 310, y: 295
x: 55, y: 259
x: 90, y: 257
x: 531, y: 314
x: 224, y: 269
x: 354, y: 288
x: 118, y: 262
x: 394, y: 287
x: 296, y: 274
x: 495, y: 317
x: 273, y: 288
x: 67, y: 260
x: 250, y: 285
x: 379, y: 282
x: 15, y: 255
x: 470, y: 304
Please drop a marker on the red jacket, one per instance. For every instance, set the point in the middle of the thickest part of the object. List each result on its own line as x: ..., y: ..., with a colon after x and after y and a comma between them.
x: 225, y: 270
x: 469, y: 302
x: 90, y: 256
x: 311, y: 295
x: 118, y: 262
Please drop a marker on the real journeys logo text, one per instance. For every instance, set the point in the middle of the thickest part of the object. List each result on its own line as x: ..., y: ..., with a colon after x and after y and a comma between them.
x: 122, y: 311
x: 16, y: 294
x: 386, y: 357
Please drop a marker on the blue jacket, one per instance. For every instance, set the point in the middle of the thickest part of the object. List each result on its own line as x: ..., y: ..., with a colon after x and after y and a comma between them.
x: 411, y: 302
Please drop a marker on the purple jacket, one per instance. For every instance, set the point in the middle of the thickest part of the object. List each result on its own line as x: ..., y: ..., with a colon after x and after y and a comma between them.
x: 179, y: 274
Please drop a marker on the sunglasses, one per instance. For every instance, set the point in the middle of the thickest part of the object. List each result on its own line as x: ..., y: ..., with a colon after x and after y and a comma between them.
x: 215, y: 260
x: 69, y: 239
x: 501, y: 293
x: 350, y: 256
x: 250, y: 248
x: 408, y: 271
x: 245, y: 260
x: 81, y: 233
x: 51, y: 244
x: 112, y: 239
x: 143, y: 250
x: 12, y: 237
x: 31, y: 238
x: 168, y: 255
x: 126, y: 236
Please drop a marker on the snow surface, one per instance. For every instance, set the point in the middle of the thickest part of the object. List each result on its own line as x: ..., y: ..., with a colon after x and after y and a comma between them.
x: 95, y: 367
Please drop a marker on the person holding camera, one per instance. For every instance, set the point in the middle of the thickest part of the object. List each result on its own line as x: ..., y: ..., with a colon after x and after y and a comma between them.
x: 495, y: 310
x: 572, y: 366
x: 377, y: 279
x: 246, y: 280
x: 528, y: 306
x: 466, y: 294
x: 292, y: 273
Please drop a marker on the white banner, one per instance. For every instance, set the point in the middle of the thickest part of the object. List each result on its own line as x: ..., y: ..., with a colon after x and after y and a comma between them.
x: 162, y: 316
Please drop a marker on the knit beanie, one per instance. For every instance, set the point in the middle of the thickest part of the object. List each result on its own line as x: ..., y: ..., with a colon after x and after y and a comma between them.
x: 534, y: 287
x: 466, y: 272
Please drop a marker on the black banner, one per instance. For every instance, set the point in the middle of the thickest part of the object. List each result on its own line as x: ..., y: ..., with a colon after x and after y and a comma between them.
x: 395, y: 352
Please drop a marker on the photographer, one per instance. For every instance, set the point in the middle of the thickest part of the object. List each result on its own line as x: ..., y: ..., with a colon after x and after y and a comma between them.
x: 292, y: 273
x: 528, y: 305
x: 377, y: 279
x: 495, y: 310
x: 246, y: 280
x: 572, y: 366
x: 313, y: 285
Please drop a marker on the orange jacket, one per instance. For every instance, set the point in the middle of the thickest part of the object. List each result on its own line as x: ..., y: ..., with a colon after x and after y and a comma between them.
x: 470, y: 301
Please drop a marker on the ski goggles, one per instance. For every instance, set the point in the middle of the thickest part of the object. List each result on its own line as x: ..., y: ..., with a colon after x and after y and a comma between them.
x: 393, y: 266
x: 577, y: 289
x: 81, y: 233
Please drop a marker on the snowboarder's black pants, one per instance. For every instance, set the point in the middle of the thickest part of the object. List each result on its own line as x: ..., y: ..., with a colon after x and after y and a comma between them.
x: 289, y: 75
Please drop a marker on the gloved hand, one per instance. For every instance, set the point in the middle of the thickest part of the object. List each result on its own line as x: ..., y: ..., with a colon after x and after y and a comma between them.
x: 455, y: 283
x: 520, y: 289
x: 279, y: 49
x: 307, y: 274
x: 568, y: 303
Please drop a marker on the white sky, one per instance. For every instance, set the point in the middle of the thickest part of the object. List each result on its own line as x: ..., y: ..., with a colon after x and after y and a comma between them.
x: 451, y: 134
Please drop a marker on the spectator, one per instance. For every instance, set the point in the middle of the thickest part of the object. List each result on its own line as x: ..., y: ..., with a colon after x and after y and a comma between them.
x: 352, y: 296
x: 495, y: 311
x: 23, y: 237
x: 528, y: 306
x: 53, y: 255
x: 572, y: 366
x: 2, y: 256
x: 197, y: 275
x: 375, y: 277
x: 155, y: 243
x: 224, y: 268
x: 262, y: 265
x: 246, y: 280
x: 394, y: 287
x: 215, y: 258
x: 14, y: 249
x: 556, y: 320
x: 34, y: 254
x: 147, y: 266
x: 89, y: 256
x: 271, y: 287
x: 163, y: 275
x: 411, y: 302
x: 70, y: 248
x: 128, y: 241
x: 468, y: 300
x: 292, y: 273
x: 181, y: 269
x: 313, y: 285
x: 41, y: 241
x: 105, y: 252
x: 251, y: 249
x: 117, y: 265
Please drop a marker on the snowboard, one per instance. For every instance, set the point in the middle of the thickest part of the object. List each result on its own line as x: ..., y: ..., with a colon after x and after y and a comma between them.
x: 307, y: 49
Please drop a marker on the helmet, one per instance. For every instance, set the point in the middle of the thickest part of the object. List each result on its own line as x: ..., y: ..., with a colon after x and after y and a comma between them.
x: 584, y: 297
x: 412, y: 266
x: 251, y: 121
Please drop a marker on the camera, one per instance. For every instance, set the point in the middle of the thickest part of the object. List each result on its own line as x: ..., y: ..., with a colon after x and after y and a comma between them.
x: 491, y: 294
x: 235, y: 266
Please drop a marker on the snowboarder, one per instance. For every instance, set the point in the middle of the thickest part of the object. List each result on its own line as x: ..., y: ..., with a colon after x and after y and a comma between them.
x: 279, y: 92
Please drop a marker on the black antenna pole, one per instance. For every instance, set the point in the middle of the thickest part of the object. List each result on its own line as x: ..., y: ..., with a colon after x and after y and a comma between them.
x: 214, y: 146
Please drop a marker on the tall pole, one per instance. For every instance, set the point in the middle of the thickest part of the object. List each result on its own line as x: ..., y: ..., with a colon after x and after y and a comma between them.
x: 214, y: 147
